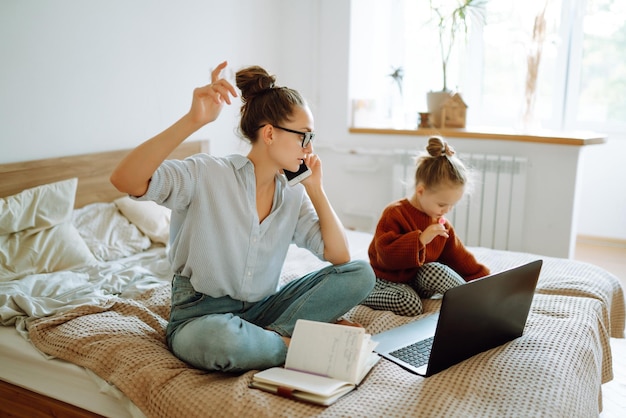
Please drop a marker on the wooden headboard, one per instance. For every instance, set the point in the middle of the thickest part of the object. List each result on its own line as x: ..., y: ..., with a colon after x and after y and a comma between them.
x: 92, y: 170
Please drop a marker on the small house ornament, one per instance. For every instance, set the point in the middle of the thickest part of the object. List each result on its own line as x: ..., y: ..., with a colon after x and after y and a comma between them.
x: 453, y: 112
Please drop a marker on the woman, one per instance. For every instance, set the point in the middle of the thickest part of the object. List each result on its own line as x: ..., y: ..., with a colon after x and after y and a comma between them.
x: 233, y: 219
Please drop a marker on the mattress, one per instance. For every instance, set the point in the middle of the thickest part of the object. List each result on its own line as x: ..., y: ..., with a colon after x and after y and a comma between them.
x: 24, y: 366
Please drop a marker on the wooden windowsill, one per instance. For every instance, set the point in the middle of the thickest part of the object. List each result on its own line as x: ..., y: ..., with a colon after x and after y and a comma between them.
x: 502, y: 134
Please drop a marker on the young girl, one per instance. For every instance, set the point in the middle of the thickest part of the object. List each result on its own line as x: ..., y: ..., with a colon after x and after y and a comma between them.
x: 233, y: 219
x: 415, y: 252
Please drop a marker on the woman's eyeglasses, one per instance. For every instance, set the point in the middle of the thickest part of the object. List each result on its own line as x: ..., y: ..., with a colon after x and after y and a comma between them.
x: 307, y: 137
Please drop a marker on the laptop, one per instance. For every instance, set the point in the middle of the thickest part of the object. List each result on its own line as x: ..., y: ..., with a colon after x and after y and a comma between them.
x: 475, y: 317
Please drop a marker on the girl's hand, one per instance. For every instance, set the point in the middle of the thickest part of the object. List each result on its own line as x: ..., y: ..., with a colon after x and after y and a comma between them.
x: 208, y: 101
x: 432, y: 231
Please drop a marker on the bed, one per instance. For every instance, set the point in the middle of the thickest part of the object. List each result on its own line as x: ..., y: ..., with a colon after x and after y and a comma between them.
x: 84, y: 320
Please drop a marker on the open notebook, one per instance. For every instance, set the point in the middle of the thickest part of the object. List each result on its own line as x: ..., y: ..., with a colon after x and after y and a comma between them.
x: 324, y: 362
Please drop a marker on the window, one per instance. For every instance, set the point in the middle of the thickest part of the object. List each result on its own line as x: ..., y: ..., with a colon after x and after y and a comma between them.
x: 598, y: 84
x: 580, y: 82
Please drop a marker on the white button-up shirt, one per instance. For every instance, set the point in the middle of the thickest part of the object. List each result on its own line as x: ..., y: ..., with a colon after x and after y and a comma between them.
x: 215, y: 236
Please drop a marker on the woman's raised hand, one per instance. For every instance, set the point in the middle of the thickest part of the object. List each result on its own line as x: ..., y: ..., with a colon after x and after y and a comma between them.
x: 208, y: 101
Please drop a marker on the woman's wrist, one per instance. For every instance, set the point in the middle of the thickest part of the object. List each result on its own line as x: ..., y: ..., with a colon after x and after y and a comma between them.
x: 190, y: 124
x: 315, y: 191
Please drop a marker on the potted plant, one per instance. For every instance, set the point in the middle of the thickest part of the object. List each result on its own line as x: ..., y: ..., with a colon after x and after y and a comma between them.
x: 453, y: 19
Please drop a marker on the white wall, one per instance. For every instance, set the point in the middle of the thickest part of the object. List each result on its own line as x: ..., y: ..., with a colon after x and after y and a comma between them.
x: 82, y: 76
x: 603, y: 190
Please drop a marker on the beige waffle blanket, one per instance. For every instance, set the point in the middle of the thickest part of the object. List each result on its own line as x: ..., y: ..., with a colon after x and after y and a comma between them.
x: 555, y: 369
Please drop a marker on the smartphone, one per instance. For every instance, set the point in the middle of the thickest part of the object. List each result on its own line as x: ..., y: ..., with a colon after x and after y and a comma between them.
x: 296, y: 177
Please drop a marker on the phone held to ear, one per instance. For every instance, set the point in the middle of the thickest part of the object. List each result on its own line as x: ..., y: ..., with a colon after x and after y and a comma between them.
x: 294, y: 178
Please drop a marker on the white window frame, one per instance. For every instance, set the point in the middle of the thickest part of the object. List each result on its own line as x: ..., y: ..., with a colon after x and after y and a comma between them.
x: 567, y: 71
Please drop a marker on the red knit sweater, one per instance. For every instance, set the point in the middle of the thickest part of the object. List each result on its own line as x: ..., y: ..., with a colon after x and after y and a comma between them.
x: 396, y: 252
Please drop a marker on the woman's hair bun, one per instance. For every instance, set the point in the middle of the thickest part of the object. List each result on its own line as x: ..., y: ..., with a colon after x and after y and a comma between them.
x: 253, y: 81
x: 263, y: 102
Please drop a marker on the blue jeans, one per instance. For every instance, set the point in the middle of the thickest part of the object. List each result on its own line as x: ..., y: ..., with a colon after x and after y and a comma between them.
x: 234, y: 336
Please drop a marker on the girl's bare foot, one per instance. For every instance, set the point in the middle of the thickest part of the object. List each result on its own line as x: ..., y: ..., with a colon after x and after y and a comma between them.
x: 343, y: 321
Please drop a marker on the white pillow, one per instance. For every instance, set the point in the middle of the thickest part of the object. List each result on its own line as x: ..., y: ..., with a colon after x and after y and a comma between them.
x: 108, y: 234
x: 152, y: 219
x: 39, y: 207
x: 42, y: 251
x: 36, y: 235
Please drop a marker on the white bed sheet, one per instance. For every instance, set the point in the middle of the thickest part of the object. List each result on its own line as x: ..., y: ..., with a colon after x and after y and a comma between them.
x: 42, y: 295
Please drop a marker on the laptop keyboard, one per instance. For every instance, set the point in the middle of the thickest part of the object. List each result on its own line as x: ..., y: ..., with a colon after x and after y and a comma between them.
x: 415, y: 354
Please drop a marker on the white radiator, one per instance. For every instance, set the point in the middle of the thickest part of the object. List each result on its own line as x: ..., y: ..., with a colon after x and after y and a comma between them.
x: 490, y: 215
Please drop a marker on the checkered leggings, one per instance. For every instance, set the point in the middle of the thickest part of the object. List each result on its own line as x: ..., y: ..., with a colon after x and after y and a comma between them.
x: 405, y: 298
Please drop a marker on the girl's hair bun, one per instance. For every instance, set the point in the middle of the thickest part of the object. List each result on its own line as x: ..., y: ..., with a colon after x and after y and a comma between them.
x: 438, y: 147
x: 433, y: 170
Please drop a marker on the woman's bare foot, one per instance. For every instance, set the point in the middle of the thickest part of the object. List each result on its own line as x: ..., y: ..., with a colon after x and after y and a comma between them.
x: 286, y: 340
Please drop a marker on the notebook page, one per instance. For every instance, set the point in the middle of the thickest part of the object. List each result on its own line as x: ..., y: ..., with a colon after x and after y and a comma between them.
x: 326, y: 349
